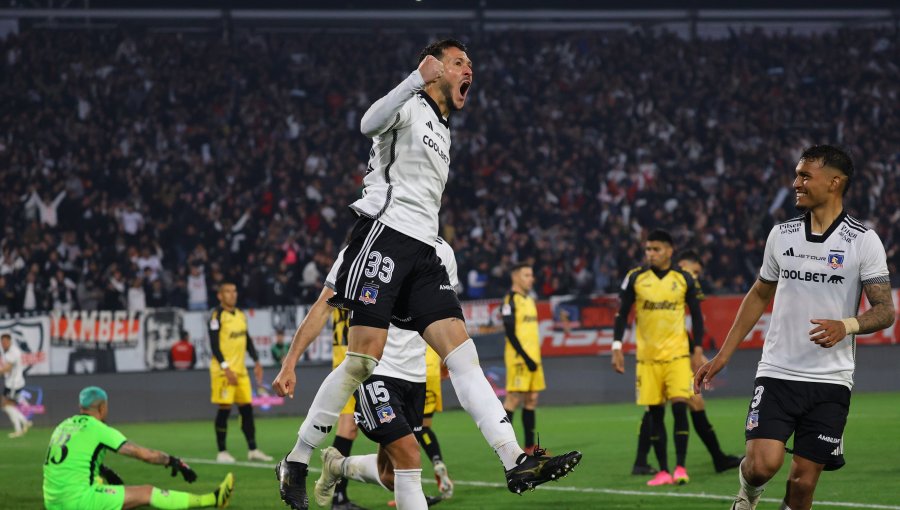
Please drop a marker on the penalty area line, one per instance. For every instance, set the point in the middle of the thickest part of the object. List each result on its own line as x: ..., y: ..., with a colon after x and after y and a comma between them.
x: 581, y: 490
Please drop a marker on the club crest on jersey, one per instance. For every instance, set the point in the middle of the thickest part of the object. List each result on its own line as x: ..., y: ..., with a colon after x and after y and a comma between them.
x: 835, y: 260
x: 753, y: 419
x: 369, y: 293
x: 386, y: 414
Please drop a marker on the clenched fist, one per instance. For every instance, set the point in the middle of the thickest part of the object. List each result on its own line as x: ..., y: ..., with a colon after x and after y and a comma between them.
x: 431, y: 69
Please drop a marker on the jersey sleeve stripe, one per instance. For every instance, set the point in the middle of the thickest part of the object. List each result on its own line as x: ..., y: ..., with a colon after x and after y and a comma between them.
x: 877, y: 279
x: 760, y: 278
x: 854, y: 221
x: 854, y: 227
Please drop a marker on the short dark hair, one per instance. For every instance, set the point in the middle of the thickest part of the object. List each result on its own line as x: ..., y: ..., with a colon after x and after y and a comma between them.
x: 832, y: 156
x: 519, y: 265
x: 436, y: 49
x: 661, y: 236
x: 690, y: 256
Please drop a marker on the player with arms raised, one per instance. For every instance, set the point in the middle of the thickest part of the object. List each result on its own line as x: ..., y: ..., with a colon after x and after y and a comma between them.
x: 391, y: 271
x: 815, y: 267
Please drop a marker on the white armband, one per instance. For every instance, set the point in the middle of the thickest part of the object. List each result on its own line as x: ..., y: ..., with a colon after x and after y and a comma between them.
x: 224, y: 365
x: 617, y: 345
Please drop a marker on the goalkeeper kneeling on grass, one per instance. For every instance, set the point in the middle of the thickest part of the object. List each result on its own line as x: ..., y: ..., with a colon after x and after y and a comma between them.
x: 75, y: 477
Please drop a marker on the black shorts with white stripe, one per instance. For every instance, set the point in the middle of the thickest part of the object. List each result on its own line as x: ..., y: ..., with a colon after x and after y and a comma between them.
x: 815, y: 413
x: 388, y: 408
x: 388, y: 277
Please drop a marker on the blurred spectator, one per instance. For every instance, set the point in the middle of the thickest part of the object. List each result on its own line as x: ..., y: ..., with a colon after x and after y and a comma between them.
x: 32, y: 294
x: 63, y: 292
x: 279, y: 348
x: 477, y: 281
x: 197, y: 293
x: 136, y: 297
x: 156, y: 295
x: 182, y: 355
x: 155, y: 152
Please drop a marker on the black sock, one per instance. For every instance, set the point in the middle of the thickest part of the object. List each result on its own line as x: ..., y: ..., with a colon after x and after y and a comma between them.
x: 643, y: 440
x: 222, y: 427
x: 681, y: 432
x: 429, y: 443
x: 528, y: 422
x: 343, y: 445
x: 658, y: 435
x: 247, y: 425
x: 707, y: 434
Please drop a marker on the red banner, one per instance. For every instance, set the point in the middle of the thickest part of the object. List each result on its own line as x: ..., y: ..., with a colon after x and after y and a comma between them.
x: 118, y: 328
x: 573, y: 326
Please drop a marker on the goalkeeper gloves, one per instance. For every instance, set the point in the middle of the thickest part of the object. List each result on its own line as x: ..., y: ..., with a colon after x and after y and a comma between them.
x: 179, y: 466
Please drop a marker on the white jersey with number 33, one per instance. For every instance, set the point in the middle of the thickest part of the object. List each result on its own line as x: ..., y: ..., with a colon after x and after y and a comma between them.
x: 819, y: 277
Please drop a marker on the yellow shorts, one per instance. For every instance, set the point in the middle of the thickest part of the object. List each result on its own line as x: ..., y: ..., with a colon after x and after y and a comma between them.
x: 657, y: 382
x: 97, y: 497
x: 434, y: 402
x: 224, y: 393
x: 521, y: 380
x: 338, y: 353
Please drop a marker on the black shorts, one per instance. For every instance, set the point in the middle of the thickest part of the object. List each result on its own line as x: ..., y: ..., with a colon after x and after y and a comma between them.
x: 12, y: 394
x: 388, y: 408
x: 388, y: 277
x: 815, y: 413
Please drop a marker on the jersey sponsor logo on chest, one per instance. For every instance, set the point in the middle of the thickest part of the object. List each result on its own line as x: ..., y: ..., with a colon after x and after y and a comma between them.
x: 434, y: 146
x: 659, y: 305
x: 810, y: 276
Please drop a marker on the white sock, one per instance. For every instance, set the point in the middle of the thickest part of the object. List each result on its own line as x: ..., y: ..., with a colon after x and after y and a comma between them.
x: 784, y: 506
x: 14, y: 417
x: 750, y: 492
x: 477, y: 398
x: 362, y: 468
x: 408, y: 489
x: 329, y: 400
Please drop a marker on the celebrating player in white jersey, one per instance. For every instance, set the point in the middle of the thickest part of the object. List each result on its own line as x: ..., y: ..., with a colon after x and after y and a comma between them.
x: 392, y: 274
x: 815, y: 266
x: 389, y: 404
x: 13, y: 369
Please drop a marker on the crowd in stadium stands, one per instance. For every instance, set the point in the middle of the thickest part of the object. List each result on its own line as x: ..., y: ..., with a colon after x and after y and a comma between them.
x: 139, y: 170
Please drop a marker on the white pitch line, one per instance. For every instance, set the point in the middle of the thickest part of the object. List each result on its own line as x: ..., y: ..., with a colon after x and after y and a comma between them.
x: 582, y: 490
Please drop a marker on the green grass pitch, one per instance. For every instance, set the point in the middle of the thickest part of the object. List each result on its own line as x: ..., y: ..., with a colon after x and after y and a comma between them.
x: 606, y: 434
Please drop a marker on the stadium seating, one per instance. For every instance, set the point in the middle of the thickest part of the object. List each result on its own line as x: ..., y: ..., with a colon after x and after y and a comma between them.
x: 128, y: 159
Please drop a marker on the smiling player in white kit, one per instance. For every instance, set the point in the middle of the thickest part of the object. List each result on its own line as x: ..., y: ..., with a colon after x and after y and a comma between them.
x: 392, y: 274
x: 815, y: 266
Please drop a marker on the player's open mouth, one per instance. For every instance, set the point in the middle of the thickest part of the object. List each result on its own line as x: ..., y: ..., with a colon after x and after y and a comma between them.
x: 464, y: 87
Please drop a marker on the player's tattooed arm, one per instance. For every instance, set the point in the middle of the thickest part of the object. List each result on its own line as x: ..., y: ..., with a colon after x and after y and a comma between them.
x: 147, y: 455
x: 881, y: 315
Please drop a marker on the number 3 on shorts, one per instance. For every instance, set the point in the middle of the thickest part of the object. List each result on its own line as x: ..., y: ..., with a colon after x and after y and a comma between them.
x: 384, y: 268
x: 757, y: 396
